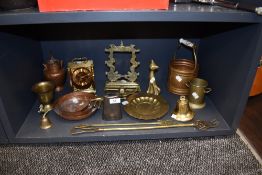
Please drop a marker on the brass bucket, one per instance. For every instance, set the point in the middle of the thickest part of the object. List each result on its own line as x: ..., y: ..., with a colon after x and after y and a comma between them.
x: 197, y: 90
x: 182, y: 71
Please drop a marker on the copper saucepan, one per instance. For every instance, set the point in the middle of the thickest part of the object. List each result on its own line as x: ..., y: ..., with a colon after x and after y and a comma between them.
x: 77, y: 105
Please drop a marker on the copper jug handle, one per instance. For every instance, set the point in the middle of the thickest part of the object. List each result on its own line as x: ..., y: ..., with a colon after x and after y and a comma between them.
x: 183, y: 42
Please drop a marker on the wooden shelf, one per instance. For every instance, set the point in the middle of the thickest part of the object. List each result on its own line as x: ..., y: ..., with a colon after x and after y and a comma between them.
x: 176, y: 13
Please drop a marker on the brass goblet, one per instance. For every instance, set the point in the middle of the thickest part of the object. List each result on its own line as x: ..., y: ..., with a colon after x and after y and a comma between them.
x: 45, y: 91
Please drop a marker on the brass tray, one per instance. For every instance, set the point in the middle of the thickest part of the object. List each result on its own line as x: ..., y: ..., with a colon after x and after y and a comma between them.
x: 146, y: 106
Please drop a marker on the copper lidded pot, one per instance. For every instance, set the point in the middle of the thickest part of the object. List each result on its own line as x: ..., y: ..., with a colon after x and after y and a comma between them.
x: 54, y: 71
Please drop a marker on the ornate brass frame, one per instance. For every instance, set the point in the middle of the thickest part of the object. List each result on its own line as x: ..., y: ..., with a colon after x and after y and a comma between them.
x: 123, y: 84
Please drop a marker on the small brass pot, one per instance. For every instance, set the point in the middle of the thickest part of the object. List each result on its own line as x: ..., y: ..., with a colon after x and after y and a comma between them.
x: 197, y: 90
x: 45, y: 92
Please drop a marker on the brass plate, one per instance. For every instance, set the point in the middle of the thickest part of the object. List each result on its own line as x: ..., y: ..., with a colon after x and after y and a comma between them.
x: 146, y: 106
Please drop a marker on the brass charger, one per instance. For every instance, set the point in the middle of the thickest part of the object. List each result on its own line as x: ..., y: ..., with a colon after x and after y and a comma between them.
x: 146, y: 106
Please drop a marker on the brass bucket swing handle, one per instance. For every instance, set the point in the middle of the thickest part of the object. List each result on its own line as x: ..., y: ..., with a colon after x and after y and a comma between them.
x: 207, y: 90
x: 79, y: 59
x: 183, y: 42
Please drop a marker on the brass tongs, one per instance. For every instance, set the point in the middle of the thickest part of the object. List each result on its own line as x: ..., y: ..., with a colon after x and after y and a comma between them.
x: 91, y: 128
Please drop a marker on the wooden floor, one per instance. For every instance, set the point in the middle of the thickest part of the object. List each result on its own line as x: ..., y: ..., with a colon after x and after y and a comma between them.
x: 251, y: 123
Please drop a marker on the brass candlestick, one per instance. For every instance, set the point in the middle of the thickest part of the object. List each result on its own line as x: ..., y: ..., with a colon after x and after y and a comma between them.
x: 45, y: 91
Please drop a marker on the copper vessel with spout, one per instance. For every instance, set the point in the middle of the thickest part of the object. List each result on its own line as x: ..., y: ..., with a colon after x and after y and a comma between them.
x: 54, y: 71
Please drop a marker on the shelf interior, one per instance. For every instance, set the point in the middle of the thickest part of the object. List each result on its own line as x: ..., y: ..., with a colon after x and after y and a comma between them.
x: 227, y: 55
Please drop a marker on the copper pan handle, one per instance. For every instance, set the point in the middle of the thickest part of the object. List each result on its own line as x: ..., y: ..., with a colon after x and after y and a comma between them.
x: 97, y: 102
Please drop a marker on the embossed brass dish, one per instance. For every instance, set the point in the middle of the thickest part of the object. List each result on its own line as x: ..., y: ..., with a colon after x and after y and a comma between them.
x: 77, y: 105
x: 146, y: 106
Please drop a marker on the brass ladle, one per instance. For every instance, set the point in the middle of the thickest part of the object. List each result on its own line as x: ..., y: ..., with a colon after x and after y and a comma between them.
x: 199, y: 124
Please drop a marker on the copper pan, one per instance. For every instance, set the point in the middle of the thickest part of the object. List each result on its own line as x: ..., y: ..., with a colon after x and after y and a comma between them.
x: 77, y: 105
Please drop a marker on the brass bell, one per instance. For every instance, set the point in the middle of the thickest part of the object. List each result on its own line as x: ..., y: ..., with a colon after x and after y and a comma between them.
x: 182, y: 111
x: 45, y: 122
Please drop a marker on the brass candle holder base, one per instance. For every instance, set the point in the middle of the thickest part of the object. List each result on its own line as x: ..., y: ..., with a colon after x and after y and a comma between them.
x: 45, y: 123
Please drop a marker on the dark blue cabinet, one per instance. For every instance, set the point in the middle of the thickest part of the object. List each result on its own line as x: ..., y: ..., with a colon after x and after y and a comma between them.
x: 3, y: 138
x: 229, y: 44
